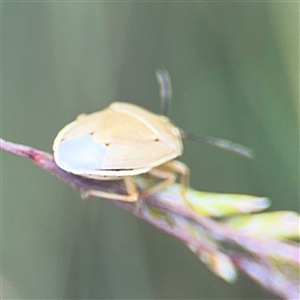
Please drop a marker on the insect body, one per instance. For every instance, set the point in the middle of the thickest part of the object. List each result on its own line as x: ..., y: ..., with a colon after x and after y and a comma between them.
x: 125, y: 140
x: 118, y: 142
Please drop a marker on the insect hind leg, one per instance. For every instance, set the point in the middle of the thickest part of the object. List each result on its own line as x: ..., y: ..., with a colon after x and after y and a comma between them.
x: 132, y: 193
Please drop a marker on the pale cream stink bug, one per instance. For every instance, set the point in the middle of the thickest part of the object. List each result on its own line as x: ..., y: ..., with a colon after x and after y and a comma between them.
x: 125, y: 140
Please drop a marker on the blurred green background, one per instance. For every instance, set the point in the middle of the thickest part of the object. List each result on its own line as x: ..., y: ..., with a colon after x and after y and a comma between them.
x: 235, y: 73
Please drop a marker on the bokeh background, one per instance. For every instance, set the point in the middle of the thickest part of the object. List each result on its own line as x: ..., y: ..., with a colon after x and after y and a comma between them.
x: 235, y: 73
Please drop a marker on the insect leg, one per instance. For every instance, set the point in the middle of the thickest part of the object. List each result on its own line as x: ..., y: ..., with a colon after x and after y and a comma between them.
x: 167, y: 176
x: 183, y: 170
x: 177, y: 167
x: 180, y: 168
x: 132, y: 193
x: 131, y: 188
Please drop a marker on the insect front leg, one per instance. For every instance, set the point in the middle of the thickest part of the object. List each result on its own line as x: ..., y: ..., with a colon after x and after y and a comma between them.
x: 183, y: 170
x: 168, y: 178
x: 168, y: 172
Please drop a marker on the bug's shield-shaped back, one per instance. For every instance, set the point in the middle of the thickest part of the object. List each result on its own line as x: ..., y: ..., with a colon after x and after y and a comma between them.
x: 122, y: 136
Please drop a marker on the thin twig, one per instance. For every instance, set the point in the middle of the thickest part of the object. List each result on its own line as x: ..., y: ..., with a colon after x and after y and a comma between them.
x: 203, y: 235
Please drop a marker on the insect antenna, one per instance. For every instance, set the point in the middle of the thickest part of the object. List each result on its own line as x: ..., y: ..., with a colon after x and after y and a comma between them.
x: 165, y: 89
x: 165, y: 92
x: 219, y: 143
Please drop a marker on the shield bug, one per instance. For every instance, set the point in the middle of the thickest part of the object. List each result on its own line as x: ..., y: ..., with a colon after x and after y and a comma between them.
x: 125, y: 140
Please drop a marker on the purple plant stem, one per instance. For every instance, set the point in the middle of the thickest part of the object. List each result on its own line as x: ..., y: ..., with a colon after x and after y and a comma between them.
x: 219, y: 231
x: 265, y: 275
x: 260, y: 247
